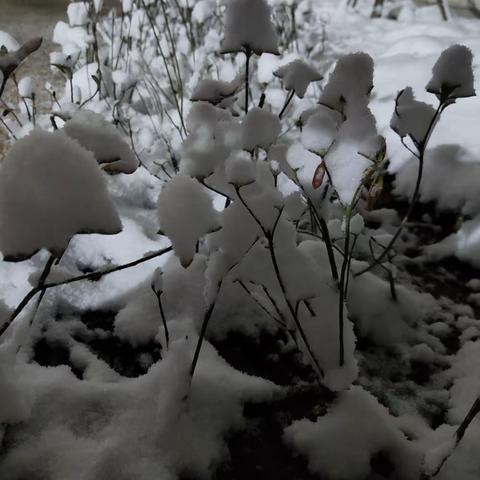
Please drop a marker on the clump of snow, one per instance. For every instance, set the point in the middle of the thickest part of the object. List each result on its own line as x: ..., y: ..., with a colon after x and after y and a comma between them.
x: 297, y: 76
x: 350, y: 82
x: 26, y: 87
x: 7, y: 41
x: 412, y: 118
x: 248, y: 26
x: 260, y: 129
x: 239, y: 168
x: 341, y: 444
x: 186, y: 214
x: 320, y: 130
x: 51, y: 189
x: 214, y: 91
x: 157, y: 281
x: 94, y: 133
x: 350, y: 155
x: 452, y: 74
x: 77, y: 13
x: 356, y: 224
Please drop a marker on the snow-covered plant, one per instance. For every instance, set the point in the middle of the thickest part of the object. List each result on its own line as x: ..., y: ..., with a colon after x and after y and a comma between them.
x: 9, y: 61
x: 248, y: 29
x: 415, y: 121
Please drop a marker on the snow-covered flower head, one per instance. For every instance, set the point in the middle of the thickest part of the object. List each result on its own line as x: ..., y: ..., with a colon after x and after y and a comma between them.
x: 412, y: 118
x: 248, y: 27
x: 350, y: 82
x: 452, y: 74
x: 297, y: 76
x: 186, y: 214
x: 94, y: 133
x: 260, y: 129
x: 214, y: 91
x: 51, y: 189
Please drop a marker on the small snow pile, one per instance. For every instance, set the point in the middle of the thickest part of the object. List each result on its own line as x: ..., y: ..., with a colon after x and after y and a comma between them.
x: 26, y: 87
x: 213, y: 134
x: 452, y: 74
x: 94, y: 133
x: 356, y: 142
x: 341, y: 444
x: 240, y: 169
x: 186, y: 214
x: 51, y: 189
x: 260, y: 129
x: 248, y: 27
x: 77, y: 13
x: 350, y: 82
x: 320, y: 130
x: 412, y: 118
x: 213, y: 91
x: 297, y: 76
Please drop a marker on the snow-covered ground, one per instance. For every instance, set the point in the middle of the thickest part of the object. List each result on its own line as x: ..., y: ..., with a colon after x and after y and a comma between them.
x: 238, y: 344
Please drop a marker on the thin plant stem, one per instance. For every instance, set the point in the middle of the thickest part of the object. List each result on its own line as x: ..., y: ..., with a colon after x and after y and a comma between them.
x: 416, y: 193
x: 248, y: 54
x: 95, y: 276
x: 162, y: 314
x: 287, y: 103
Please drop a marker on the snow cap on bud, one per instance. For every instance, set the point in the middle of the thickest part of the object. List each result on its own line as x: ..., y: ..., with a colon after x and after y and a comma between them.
x: 452, y: 74
x: 356, y: 224
x: 412, y: 118
x: 297, y: 76
x: 26, y: 87
x: 248, y: 27
x: 260, y: 129
x: 186, y: 214
x: 157, y: 281
x: 239, y: 169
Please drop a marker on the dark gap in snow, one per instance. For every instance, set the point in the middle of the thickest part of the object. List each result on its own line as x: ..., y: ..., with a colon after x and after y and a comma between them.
x: 258, y: 452
x: 98, y: 319
x: 52, y: 354
x: 380, y: 463
x: 121, y: 356
x: 263, y: 357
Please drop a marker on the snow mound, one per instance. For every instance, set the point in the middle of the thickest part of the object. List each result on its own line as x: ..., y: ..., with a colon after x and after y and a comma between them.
x: 186, y: 214
x: 297, y: 76
x: 248, y: 26
x: 94, y: 133
x: 341, y: 444
x: 51, y: 189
